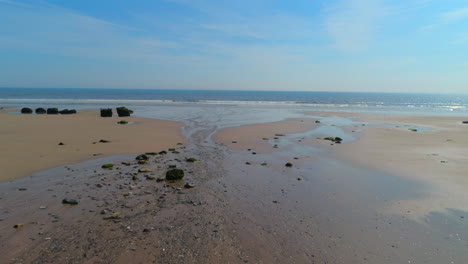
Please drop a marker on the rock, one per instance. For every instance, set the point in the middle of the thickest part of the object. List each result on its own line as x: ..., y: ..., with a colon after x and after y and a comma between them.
x: 142, y: 157
x: 104, y: 141
x: 337, y: 140
x: 61, y: 144
x: 134, y: 178
x: 162, y: 152
x: 18, y: 226
x: 145, y: 170
x: 108, y: 166
x: 113, y: 216
x: 52, y: 111
x: 289, y: 165
x: 172, y: 166
x: 150, y: 178
x: 122, y: 122
x: 160, y: 179
x: 465, y: 122
x: 247, y: 163
x: 69, y: 201
x: 189, y: 186
x: 174, y: 174
x: 141, y: 162
x: 26, y: 110
x: 67, y: 112
x: 279, y: 135
x: 146, y: 230
x: 317, y: 121
x: 151, y: 153
x: 191, y: 160
x: 99, y: 185
x: 413, y: 129
x: 40, y: 111
x: 123, y: 111
x: 22, y: 189
x: 106, y: 112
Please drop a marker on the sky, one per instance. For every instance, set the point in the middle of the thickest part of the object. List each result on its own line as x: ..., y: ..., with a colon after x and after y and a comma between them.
x: 301, y: 45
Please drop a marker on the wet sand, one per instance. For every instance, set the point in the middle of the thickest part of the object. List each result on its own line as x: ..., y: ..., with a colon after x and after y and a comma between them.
x: 30, y: 143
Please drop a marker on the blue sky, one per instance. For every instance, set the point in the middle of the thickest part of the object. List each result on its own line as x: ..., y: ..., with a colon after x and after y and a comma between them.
x: 343, y: 45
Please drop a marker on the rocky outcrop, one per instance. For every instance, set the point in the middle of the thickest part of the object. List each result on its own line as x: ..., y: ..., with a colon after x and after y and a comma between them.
x: 67, y: 112
x: 52, y: 111
x: 123, y: 111
x: 26, y: 110
x: 106, y: 112
x: 40, y: 111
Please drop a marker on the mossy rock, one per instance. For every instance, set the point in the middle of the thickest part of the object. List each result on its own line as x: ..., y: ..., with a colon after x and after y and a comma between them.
x: 151, y: 153
x: 141, y: 162
x: 172, y: 166
x: 122, y: 122
x: 174, y: 175
x: 108, y: 166
x: 413, y: 129
x: 191, y: 160
x: 162, y: 152
x: 142, y: 157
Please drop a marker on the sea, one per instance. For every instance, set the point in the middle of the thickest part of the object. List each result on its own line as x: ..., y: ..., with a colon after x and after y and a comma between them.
x: 228, y: 108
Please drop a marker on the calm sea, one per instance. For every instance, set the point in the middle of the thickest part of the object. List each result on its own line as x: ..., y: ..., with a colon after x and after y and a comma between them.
x: 440, y: 104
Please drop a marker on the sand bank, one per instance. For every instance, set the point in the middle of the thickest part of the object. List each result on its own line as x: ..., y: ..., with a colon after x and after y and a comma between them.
x: 435, y: 157
x: 258, y: 136
x: 31, y: 142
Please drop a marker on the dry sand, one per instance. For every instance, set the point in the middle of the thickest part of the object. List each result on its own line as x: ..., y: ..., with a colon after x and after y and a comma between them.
x: 30, y: 143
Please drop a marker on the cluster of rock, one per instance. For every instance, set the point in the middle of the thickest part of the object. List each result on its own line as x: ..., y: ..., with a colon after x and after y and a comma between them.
x: 121, y: 112
x: 49, y: 111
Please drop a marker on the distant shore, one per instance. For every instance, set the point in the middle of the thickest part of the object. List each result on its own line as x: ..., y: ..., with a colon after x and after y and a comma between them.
x: 30, y: 142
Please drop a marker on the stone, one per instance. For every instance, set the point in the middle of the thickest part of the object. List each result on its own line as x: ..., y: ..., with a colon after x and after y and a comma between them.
x: 123, y: 111
x: 108, y: 166
x: 191, y: 160
x: 465, y: 122
x: 106, y: 112
x: 289, y: 165
x: 67, y: 111
x: 52, y: 111
x: 40, y: 111
x: 17, y: 226
x: 61, y: 144
x: 189, y: 186
x: 113, y: 216
x: 104, y: 141
x: 122, y: 122
x: 145, y: 170
x: 142, y: 157
x: 150, y: 178
x: 26, y: 110
x: 174, y: 174
x: 69, y: 201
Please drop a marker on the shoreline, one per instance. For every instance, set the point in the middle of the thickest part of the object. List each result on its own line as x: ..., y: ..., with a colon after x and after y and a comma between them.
x: 32, y: 143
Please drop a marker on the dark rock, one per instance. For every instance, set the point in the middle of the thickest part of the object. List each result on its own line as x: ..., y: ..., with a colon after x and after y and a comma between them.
x: 146, y: 230
x: 465, y: 122
x: 142, y: 157
x: 40, y: 111
x: 104, y: 141
x: 26, y: 110
x: 122, y: 122
x: 150, y: 178
x: 189, y: 186
x: 69, y: 201
x: 289, y: 165
x: 191, y: 160
x: 52, y: 111
x: 317, y: 121
x: 162, y: 152
x: 18, y: 226
x: 106, y: 112
x: 145, y: 170
x: 123, y: 111
x: 67, y: 112
x: 61, y: 144
x: 160, y: 179
x: 22, y: 189
x: 172, y: 166
x: 174, y: 174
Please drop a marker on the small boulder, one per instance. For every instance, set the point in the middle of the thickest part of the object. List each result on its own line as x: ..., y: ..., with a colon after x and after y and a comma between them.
x: 191, y: 160
x: 26, y: 110
x: 142, y: 157
x: 174, y: 174
x: 69, y: 201
x: 52, y: 111
x: 289, y: 165
x: 40, y: 111
x: 106, y: 112
x: 67, y: 111
x: 123, y: 111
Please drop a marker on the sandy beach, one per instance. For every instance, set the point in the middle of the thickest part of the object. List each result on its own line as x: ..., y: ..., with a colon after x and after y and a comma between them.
x: 386, y: 194
x: 30, y: 143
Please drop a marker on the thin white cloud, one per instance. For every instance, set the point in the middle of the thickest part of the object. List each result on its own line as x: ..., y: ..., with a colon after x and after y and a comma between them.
x: 455, y: 15
x: 352, y: 24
